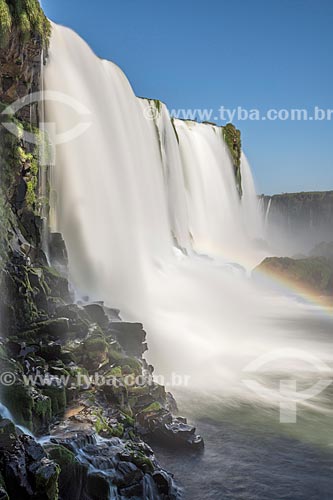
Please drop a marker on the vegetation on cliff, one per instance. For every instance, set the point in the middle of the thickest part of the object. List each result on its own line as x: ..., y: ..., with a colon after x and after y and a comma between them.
x: 27, y: 17
x: 314, y: 274
x: 232, y: 137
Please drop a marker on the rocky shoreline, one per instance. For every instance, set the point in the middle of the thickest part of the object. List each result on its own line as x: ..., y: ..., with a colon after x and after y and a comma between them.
x: 96, y: 435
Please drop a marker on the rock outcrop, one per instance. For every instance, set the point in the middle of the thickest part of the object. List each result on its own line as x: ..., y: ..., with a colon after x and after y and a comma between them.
x: 313, y: 274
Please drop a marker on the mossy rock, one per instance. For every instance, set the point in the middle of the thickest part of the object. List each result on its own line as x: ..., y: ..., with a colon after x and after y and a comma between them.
x: 106, y: 430
x: 55, y: 327
x: 60, y: 455
x: 8, y: 435
x: 27, y: 17
x: 91, y: 352
x: 18, y: 399
x: 141, y: 390
x: 47, y: 476
x: 41, y: 412
x: 97, y: 343
x: 130, y: 365
x: 139, y: 458
x: 115, y: 355
x: 116, y: 371
x: 57, y: 395
x: 127, y: 419
x: 57, y: 284
x: 153, y: 408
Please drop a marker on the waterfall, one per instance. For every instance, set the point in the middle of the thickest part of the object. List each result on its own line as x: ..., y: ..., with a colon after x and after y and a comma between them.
x: 5, y: 413
x: 268, y: 211
x: 153, y: 222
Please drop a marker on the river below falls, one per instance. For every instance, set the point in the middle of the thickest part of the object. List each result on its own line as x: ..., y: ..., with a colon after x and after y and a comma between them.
x: 249, y: 454
x: 239, y: 463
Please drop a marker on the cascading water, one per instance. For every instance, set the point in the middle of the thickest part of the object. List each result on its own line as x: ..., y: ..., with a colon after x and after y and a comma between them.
x: 154, y: 225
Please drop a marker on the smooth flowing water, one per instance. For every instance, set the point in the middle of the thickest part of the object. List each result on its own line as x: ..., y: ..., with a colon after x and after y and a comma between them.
x: 154, y: 226
x: 249, y: 454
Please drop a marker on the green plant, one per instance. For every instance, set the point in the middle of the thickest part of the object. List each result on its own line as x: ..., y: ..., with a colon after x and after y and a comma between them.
x: 5, y: 23
x: 27, y: 16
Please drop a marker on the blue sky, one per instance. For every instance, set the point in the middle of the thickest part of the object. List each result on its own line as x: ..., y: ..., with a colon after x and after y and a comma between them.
x: 256, y: 54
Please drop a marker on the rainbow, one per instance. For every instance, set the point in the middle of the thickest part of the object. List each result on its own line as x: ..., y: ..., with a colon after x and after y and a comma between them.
x: 306, y: 292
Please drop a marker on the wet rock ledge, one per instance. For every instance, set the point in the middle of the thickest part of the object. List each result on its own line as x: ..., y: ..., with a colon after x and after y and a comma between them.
x: 79, y: 378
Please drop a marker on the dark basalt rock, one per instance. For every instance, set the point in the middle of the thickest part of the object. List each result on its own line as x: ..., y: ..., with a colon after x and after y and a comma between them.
x: 97, y: 314
x: 98, y: 486
x: 127, y: 474
x: 113, y: 314
x: 58, y: 251
x: 162, y: 427
x: 58, y: 327
x: 47, y: 480
x: 31, y: 227
x: 8, y: 435
x: 131, y: 336
x: 73, y: 312
x: 26, y: 471
x: 180, y: 434
x: 130, y: 467
x: 3, y: 493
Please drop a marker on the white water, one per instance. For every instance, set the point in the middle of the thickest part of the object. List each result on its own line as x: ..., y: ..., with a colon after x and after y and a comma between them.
x: 5, y: 413
x: 152, y: 226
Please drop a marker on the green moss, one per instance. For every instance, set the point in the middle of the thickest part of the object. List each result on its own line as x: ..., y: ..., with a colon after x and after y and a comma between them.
x: 158, y: 105
x: 144, y: 463
x: 13, y: 158
x: 19, y: 401
x: 4, y: 231
x: 140, y: 390
x: 47, y: 476
x: 43, y: 408
x: 60, y: 455
x: 118, y: 431
x: 5, y: 23
x: 232, y: 138
x: 27, y: 16
x: 134, y: 365
x: 96, y: 344
x: 115, y: 355
x: 102, y: 426
x: 139, y: 458
x: 24, y: 26
x: 114, y: 372
x: 128, y: 419
x: 153, y: 407
x: 57, y: 396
